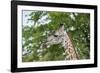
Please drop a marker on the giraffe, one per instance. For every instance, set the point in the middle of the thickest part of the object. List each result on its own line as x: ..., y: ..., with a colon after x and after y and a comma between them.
x: 60, y: 36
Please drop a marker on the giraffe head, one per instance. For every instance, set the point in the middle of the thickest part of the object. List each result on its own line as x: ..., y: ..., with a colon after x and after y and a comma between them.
x: 58, y: 37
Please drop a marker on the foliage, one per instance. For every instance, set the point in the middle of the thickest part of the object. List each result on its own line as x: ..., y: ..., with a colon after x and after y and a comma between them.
x: 45, y: 22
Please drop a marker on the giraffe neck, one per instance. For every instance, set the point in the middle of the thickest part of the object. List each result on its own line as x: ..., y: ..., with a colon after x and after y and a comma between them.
x: 70, y: 50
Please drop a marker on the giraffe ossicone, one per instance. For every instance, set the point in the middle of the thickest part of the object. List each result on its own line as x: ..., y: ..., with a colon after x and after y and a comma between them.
x: 60, y: 36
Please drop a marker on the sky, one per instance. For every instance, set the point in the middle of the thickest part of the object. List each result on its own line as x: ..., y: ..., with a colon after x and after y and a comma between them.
x: 25, y: 17
x: 42, y: 21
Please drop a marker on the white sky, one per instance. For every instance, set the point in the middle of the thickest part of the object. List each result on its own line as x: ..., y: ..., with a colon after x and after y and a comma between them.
x: 25, y: 17
x: 25, y: 14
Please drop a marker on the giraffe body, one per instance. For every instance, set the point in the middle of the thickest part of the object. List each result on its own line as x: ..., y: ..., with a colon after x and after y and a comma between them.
x: 61, y: 37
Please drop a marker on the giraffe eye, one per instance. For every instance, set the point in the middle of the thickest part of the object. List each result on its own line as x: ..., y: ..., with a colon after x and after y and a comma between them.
x: 55, y: 35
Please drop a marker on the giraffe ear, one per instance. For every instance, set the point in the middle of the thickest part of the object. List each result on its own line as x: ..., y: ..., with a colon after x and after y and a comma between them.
x: 61, y: 27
